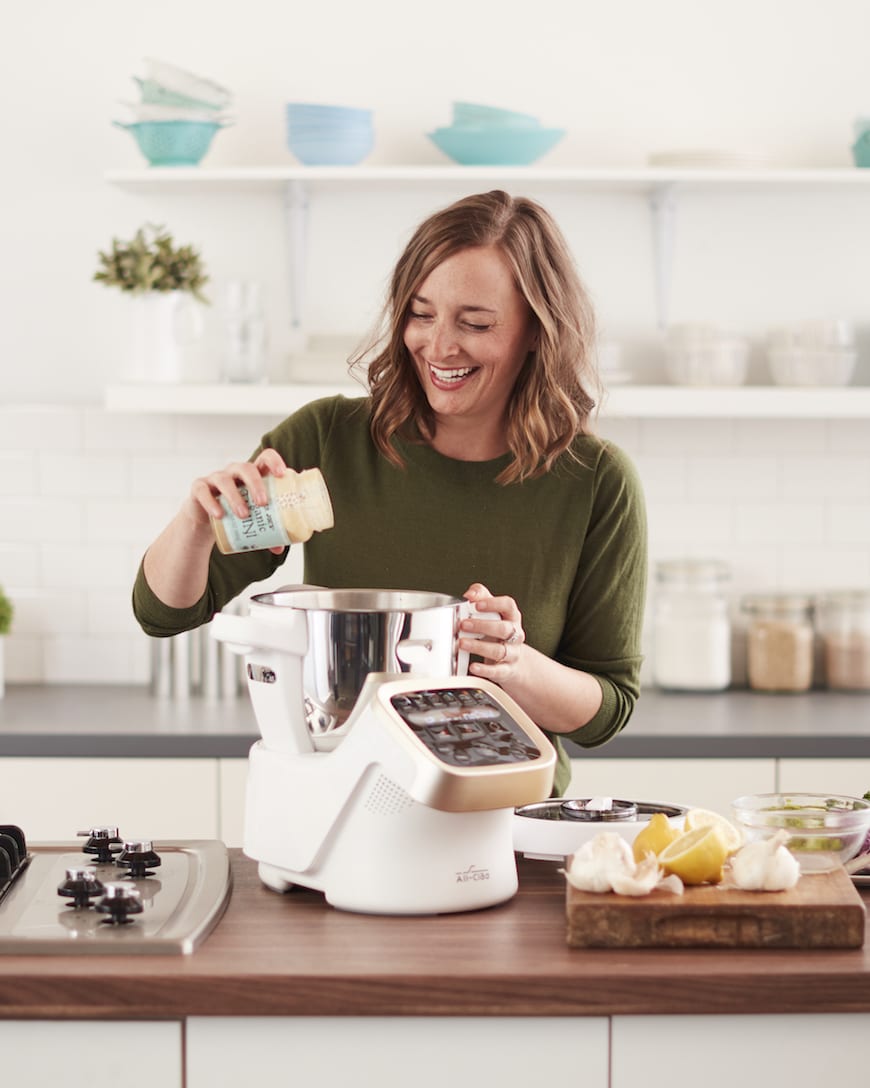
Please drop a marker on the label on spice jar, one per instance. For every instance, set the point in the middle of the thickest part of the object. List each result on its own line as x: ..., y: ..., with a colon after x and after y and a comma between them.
x: 263, y: 528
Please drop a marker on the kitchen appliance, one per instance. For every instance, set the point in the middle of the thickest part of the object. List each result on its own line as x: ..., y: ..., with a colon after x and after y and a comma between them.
x: 384, y: 777
x: 551, y: 830
x: 111, y: 895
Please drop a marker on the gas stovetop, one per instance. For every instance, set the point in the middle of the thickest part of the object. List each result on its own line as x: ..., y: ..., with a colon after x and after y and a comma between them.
x: 109, y: 895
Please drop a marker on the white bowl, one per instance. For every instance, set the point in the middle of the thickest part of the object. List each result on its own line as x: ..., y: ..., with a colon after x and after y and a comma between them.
x: 811, y: 366
x: 721, y: 362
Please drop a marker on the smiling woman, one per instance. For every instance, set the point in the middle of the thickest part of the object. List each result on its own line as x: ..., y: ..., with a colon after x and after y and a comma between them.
x: 470, y: 470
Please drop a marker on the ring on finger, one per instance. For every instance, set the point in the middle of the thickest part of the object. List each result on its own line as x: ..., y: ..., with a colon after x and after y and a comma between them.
x: 514, y: 636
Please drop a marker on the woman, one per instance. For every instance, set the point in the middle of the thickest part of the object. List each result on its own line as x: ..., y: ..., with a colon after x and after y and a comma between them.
x: 469, y: 470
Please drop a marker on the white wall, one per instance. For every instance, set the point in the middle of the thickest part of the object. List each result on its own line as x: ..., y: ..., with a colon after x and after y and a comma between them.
x: 82, y: 492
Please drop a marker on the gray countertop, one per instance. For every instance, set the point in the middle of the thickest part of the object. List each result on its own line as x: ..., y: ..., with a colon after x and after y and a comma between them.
x: 88, y: 720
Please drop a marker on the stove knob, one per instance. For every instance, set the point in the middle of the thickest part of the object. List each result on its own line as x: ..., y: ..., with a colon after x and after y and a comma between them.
x: 119, y: 900
x: 81, y: 885
x: 139, y: 857
x: 102, y: 841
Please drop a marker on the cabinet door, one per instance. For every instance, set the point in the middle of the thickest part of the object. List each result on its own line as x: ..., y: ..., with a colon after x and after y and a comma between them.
x: 802, y: 1051
x: 233, y: 783
x: 395, y: 1052
x: 53, y: 799
x: 87, y: 1053
x: 848, y: 776
x: 698, y: 783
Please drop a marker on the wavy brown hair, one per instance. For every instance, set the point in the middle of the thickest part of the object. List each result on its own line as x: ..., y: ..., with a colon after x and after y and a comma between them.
x: 551, y: 401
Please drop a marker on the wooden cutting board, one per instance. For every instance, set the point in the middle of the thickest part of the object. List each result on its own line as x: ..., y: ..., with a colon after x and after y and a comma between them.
x: 822, y: 911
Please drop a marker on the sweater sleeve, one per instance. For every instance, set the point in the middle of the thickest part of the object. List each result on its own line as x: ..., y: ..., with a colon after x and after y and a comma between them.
x: 604, y: 623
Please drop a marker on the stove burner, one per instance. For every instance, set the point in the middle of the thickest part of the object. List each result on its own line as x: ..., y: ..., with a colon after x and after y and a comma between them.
x: 81, y: 886
x: 118, y: 901
x: 102, y: 841
x: 14, y: 858
x: 139, y: 857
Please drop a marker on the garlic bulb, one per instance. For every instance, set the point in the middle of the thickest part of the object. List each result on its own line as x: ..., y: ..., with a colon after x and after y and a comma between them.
x: 766, y: 866
x: 606, y: 863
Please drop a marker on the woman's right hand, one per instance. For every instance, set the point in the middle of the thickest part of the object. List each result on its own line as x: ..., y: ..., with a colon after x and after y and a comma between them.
x: 203, y: 500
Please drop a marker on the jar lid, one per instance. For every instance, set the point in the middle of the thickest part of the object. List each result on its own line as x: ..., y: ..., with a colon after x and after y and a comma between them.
x: 777, y: 604
x: 694, y: 571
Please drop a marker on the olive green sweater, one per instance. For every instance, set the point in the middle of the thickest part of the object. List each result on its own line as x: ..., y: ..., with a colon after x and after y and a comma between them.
x: 569, y: 547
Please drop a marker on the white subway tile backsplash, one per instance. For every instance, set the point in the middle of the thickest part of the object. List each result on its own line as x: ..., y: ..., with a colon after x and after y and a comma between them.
x: 86, y: 475
x: 130, y: 521
x: 32, y: 520
x: 678, y: 530
x: 687, y: 436
x: 48, y: 612
x: 87, y: 566
x: 781, y: 522
x: 20, y: 565
x: 837, y: 476
x: 167, y: 476
x: 87, y: 659
x: 825, y: 568
x: 49, y: 427
x: 731, y: 478
x: 780, y: 436
x: 18, y: 473
x: 849, y: 436
x: 123, y: 432
x: 849, y: 523
x: 785, y: 503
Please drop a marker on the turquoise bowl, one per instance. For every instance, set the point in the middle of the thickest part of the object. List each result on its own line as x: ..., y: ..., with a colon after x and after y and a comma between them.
x: 861, y: 150
x: 474, y: 113
x: 172, y: 143
x: 500, y: 145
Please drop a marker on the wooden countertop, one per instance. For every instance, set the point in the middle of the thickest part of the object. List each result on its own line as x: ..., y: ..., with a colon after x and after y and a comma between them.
x: 293, y: 955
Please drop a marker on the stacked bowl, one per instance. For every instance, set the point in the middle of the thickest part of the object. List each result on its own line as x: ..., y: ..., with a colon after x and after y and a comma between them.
x: 323, y: 135
x: 178, y: 115
x: 812, y: 353
x: 490, y: 136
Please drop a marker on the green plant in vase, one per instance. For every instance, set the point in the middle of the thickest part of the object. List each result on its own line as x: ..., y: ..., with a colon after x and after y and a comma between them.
x: 7, y: 612
x: 164, y: 282
x: 151, y: 261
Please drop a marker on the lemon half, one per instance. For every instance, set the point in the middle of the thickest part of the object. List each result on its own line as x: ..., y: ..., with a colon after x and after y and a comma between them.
x: 696, y: 857
x: 702, y: 817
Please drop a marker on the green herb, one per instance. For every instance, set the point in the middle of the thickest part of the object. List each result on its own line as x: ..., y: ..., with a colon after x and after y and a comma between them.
x: 152, y: 262
x: 7, y: 611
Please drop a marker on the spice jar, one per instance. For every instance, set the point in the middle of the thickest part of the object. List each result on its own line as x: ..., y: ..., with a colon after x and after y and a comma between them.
x: 298, y: 506
x: 691, y: 626
x: 779, y: 644
x: 844, y: 624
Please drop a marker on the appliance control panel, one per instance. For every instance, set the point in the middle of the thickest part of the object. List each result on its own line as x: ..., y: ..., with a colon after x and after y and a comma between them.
x: 465, y: 727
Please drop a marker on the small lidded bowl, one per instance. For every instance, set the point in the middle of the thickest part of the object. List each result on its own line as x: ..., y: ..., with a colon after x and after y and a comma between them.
x: 824, y: 829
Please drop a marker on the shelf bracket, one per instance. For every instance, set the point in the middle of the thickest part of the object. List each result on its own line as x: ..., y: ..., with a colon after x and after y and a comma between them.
x: 663, y: 210
x: 296, y: 248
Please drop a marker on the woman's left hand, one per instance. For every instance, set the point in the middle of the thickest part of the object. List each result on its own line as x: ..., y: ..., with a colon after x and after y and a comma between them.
x: 499, y: 642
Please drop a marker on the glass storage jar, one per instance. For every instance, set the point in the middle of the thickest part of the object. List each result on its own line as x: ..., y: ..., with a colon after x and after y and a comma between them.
x: 779, y: 641
x: 691, y: 625
x: 844, y: 625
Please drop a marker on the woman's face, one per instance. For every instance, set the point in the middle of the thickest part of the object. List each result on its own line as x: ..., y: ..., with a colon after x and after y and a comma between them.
x: 469, y: 331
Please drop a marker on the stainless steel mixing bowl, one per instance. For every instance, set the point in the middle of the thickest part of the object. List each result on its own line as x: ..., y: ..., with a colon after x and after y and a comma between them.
x: 354, y: 632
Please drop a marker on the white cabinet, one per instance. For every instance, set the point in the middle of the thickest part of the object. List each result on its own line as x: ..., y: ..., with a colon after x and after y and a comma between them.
x: 698, y: 783
x: 233, y: 782
x: 53, y: 799
x: 394, y: 1052
x: 802, y: 1051
x: 85, y: 1053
